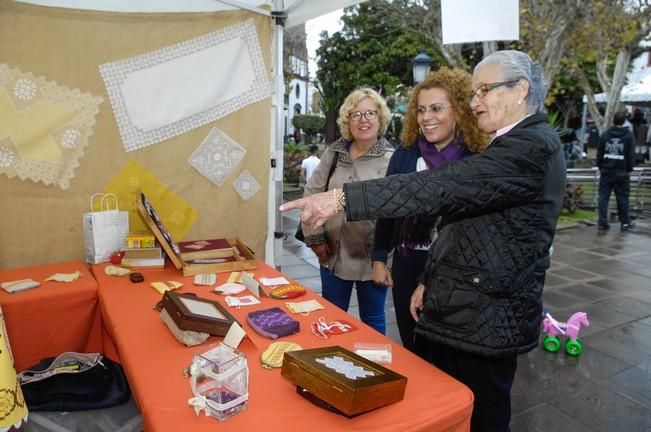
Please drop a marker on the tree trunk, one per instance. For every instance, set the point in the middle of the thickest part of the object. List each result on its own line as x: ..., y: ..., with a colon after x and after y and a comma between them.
x: 331, y: 127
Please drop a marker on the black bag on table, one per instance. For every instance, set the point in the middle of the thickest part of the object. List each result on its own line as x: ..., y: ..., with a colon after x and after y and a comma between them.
x: 74, y: 382
x: 298, y: 235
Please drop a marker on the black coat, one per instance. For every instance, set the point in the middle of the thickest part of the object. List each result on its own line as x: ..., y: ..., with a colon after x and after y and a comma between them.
x: 485, y: 273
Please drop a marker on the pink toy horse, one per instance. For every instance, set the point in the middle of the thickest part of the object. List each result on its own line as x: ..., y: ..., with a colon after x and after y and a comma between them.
x: 570, y: 328
x: 554, y: 328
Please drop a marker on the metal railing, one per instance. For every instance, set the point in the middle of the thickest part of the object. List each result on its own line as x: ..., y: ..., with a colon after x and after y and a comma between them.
x: 640, y: 196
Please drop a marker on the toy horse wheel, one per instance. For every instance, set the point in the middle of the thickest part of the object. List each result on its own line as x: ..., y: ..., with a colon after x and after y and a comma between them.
x: 551, y: 343
x: 573, y: 347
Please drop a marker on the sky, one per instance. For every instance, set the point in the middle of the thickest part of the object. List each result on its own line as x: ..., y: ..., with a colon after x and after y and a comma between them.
x: 329, y: 22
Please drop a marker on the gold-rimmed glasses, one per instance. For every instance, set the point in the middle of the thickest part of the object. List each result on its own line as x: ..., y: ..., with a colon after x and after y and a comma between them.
x: 357, y: 115
x: 483, y: 89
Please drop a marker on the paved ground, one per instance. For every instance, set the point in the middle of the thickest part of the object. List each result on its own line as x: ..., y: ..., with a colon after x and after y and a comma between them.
x: 608, y: 387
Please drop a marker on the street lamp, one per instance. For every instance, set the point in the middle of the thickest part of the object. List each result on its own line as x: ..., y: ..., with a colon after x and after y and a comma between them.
x: 421, y: 66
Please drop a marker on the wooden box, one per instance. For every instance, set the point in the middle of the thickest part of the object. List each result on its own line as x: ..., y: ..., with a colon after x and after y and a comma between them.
x: 342, y: 379
x: 193, y: 313
x: 236, y: 258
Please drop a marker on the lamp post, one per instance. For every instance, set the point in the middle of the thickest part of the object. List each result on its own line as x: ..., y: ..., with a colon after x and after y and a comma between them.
x: 422, y: 64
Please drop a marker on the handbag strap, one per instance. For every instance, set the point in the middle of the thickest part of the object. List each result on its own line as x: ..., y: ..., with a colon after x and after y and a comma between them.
x: 333, y: 166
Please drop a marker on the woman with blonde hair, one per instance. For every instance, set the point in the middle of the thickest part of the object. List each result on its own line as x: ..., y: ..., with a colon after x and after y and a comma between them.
x: 344, y: 248
x: 438, y: 127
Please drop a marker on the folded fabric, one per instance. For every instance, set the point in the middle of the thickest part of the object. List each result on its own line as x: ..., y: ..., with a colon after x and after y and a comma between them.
x: 65, y: 277
x: 272, y: 323
x: 19, y: 285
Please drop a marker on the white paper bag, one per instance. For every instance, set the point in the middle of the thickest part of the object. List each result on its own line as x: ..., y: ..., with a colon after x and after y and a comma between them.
x: 105, y: 230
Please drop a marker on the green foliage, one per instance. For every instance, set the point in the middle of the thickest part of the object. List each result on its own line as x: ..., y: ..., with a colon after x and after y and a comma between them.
x: 370, y: 50
x: 555, y: 119
x: 292, y: 148
x: 309, y: 123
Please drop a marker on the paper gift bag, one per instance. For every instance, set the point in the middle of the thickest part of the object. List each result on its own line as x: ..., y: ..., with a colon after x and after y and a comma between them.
x: 104, y: 230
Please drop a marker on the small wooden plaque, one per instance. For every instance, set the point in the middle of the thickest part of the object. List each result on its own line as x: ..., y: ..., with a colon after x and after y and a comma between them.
x: 194, y: 313
x: 237, y: 257
x: 346, y: 381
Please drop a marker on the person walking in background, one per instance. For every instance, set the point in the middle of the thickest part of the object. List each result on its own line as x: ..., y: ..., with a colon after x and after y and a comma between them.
x: 438, y: 127
x: 479, y: 301
x: 615, y: 159
x: 344, y: 248
x: 309, y: 164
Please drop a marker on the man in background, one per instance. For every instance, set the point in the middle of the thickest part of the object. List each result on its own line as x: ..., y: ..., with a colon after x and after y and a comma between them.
x: 309, y: 164
x: 615, y: 159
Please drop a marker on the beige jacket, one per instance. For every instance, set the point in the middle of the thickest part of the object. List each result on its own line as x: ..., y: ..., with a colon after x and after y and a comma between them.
x: 351, y: 243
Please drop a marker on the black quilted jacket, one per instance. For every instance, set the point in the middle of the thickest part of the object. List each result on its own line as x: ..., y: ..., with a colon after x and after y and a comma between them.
x: 485, y: 274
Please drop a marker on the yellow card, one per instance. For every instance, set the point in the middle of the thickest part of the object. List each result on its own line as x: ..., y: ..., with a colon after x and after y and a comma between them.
x: 161, y: 287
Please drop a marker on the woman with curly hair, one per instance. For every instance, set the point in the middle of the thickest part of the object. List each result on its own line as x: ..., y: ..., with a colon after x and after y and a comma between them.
x: 438, y: 127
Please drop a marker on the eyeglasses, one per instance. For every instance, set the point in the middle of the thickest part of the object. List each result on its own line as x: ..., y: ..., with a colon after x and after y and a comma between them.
x: 483, y: 89
x: 434, y: 109
x: 357, y: 115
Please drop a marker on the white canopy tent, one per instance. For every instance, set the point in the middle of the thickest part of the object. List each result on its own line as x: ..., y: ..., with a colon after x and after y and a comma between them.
x: 637, y: 91
x: 284, y: 13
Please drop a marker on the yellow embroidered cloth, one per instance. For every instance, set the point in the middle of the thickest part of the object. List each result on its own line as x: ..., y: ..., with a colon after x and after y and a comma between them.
x: 44, y: 129
x: 13, y: 409
x: 176, y: 214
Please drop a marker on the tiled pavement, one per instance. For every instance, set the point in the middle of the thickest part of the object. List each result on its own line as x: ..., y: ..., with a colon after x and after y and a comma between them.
x: 605, y: 389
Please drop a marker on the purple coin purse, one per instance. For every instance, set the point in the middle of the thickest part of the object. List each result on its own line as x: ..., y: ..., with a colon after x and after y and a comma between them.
x: 272, y: 323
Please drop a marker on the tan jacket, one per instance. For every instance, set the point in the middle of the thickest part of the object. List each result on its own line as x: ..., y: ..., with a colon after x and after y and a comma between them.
x: 351, y: 243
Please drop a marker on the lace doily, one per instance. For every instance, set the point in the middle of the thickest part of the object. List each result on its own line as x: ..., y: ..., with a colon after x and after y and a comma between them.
x: 217, y: 156
x: 45, y: 127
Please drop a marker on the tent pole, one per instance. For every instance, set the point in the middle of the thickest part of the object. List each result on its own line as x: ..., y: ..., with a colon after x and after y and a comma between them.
x: 274, y: 244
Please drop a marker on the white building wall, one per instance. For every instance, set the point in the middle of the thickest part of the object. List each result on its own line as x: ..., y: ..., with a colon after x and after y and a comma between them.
x: 301, y: 99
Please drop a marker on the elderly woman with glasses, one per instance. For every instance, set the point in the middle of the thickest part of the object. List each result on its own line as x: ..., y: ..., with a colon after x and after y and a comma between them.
x: 479, y: 303
x: 438, y: 127
x: 344, y: 248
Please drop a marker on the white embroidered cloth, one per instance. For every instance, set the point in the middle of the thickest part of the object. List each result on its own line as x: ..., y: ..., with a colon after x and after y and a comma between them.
x: 164, y: 93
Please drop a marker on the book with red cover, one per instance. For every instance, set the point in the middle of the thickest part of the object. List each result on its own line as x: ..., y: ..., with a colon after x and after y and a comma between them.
x: 203, y: 249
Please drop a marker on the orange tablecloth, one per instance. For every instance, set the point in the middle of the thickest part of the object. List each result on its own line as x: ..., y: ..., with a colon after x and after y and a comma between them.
x: 53, y: 318
x: 154, y: 363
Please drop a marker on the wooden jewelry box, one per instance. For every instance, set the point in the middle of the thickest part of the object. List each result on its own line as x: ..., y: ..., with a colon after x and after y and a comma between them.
x: 342, y: 379
x: 193, y: 313
x: 236, y: 257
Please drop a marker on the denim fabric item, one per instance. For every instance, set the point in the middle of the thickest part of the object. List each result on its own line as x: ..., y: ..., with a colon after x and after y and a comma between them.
x: 370, y: 297
x: 619, y: 181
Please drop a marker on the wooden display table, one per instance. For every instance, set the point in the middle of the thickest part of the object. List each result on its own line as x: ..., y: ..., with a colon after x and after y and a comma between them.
x: 154, y: 361
x: 53, y: 318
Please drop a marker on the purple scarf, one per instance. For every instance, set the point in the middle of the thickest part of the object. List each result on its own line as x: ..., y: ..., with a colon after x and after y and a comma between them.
x: 417, y: 230
x: 435, y: 158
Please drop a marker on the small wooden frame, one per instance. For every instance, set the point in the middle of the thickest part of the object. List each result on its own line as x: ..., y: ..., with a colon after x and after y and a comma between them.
x: 370, y: 387
x: 236, y: 258
x: 194, y: 313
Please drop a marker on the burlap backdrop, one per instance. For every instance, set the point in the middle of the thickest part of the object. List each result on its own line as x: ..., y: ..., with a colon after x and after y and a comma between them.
x: 43, y: 224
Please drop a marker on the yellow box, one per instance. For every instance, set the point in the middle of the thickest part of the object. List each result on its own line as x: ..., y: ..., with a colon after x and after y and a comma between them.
x: 140, y: 240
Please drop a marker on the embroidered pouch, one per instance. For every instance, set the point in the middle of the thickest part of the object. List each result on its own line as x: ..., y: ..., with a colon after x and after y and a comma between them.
x: 272, y: 323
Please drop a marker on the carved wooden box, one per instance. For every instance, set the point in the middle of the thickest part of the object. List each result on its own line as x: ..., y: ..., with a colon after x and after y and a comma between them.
x: 193, y: 313
x: 342, y: 379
